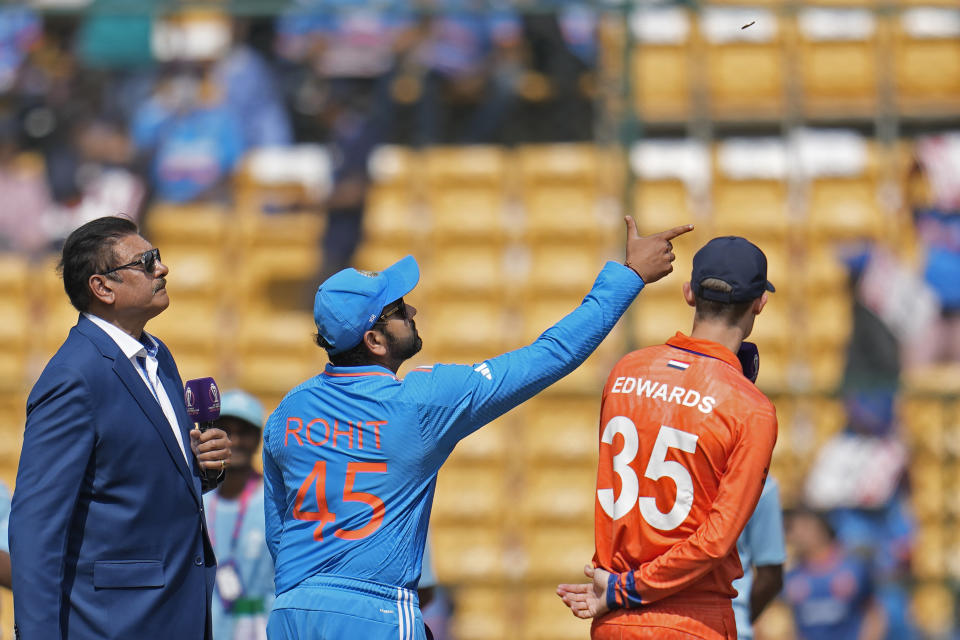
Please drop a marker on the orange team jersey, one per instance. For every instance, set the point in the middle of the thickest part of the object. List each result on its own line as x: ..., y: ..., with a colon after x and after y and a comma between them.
x: 685, y: 444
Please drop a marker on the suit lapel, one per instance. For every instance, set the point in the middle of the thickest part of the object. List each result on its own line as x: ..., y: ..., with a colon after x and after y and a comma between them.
x: 175, y: 393
x: 135, y: 385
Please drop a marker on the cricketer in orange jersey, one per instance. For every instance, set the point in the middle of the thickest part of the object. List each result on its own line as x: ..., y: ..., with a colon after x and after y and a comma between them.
x: 685, y: 443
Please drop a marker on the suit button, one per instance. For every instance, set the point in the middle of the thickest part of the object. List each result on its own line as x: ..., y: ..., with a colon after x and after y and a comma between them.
x: 198, y: 561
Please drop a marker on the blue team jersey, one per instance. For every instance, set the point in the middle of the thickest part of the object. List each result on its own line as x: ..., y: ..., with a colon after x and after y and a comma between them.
x: 760, y: 544
x: 830, y: 600
x: 351, y: 456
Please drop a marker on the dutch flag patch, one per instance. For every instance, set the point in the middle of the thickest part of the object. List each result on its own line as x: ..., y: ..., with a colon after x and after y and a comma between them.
x: 677, y: 364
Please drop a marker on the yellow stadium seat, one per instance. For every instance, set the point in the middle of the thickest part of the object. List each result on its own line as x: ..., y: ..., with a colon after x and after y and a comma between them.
x: 744, y: 67
x: 557, y: 494
x: 265, y: 374
x: 481, y: 613
x: 670, y: 184
x: 828, y: 321
x: 469, y: 494
x: 822, y: 270
x: 563, y: 268
x: 468, y: 554
x: 466, y: 191
x: 191, y: 329
x: 373, y: 256
x: 15, y: 273
x: 838, y: 59
x: 560, y: 191
x: 197, y: 273
x: 547, y: 618
x: 657, y: 319
x: 931, y: 564
x: 560, y: 429
x: 468, y: 269
x: 926, y: 46
x: 465, y: 326
x: 933, y: 606
x: 489, y: 445
x: 749, y: 192
x: 661, y: 64
x: 197, y: 224
x: 558, y: 553
x: 290, y: 333
x: 395, y: 213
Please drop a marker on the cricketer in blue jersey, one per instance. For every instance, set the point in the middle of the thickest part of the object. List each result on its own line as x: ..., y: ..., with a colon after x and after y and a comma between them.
x: 350, y: 457
x: 762, y: 554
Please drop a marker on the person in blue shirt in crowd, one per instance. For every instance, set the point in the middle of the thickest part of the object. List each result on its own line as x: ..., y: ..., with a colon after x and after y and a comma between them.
x: 351, y: 456
x: 470, y: 54
x: 191, y: 139
x: 762, y: 554
x: 830, y: 590
x: 244, y: 588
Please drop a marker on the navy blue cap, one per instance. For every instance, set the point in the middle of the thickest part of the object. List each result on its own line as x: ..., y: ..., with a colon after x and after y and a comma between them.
x: 736, y: 261
x: 349, y: 302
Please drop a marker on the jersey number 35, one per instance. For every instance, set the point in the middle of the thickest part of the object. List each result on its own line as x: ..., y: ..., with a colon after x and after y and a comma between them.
x: 657, y: 467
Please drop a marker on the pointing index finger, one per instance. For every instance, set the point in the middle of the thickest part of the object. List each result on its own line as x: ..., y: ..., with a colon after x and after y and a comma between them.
x: 670, y: 234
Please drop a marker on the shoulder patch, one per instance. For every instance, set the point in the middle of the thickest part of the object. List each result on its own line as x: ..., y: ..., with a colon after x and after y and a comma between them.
x: 484, y: 369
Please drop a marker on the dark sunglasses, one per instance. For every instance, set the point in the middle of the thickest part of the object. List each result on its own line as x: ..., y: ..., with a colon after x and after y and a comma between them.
x: 147, y: 260
x: 398, y: 307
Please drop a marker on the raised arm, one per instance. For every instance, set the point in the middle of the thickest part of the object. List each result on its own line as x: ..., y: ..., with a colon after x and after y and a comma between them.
x: 457, y: 400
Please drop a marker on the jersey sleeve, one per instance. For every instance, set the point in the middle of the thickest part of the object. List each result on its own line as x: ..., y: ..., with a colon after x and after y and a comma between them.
x: 689, y: 560
x: 765, y: 531
x: 456, y: 400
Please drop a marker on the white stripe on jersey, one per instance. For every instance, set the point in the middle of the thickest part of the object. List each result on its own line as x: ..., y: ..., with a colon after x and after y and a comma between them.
x: 403, y: 623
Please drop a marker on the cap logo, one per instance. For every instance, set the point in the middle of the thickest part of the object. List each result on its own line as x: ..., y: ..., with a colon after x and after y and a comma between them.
x: 368, y: 274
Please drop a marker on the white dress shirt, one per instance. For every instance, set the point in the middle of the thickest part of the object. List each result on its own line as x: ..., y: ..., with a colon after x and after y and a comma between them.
x: 146, y: 365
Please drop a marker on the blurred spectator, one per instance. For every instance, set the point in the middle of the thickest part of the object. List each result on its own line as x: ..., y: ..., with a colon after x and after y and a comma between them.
x: 247, y: 84
x: 470, y: 54
x: 349, y: 50
x: 354, y: 134
x: 244, y: 589
x: 762, y: 554
x: 192, y: 139
x: 20, y: 29
x: 562, y: 50
x: 937, y: 218
x: 829, y: 589
x: 859, y: 475
x: 26, y: 201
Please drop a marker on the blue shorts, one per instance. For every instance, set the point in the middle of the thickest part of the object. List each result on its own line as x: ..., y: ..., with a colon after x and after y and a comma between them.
x: 332, y: 607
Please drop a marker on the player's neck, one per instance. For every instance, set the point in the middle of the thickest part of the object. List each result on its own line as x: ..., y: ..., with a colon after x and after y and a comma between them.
x: 719, y: 332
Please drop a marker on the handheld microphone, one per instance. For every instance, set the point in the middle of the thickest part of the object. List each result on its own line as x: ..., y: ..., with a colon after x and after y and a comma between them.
x: 749, y: 357
x: 202, y: 398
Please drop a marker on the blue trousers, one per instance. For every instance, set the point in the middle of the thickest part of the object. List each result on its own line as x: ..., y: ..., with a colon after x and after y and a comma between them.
x: 336, y: 608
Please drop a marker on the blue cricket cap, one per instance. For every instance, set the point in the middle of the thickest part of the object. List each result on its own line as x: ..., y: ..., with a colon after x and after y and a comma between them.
x: 736, y: 261
x: 349, y: 302
x: 240, y: 404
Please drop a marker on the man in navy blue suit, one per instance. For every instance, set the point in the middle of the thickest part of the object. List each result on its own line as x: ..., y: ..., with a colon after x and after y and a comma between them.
x: 107, y: 533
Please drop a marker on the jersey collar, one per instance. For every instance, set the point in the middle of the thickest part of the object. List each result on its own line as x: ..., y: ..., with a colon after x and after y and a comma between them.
x: 358, y: 372
x: 705, y: 348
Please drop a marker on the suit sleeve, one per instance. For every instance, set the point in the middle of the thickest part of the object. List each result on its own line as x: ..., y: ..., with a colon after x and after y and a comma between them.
x: 274, y: 499
x: 57, y: 444
x: 456, y: 400
x: 688, y: 561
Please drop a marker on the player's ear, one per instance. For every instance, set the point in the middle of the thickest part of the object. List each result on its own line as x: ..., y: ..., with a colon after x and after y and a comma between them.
x: 688, y: 294
x: 101, y: 288
x: 759, y: 304
x: 376, y: 342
